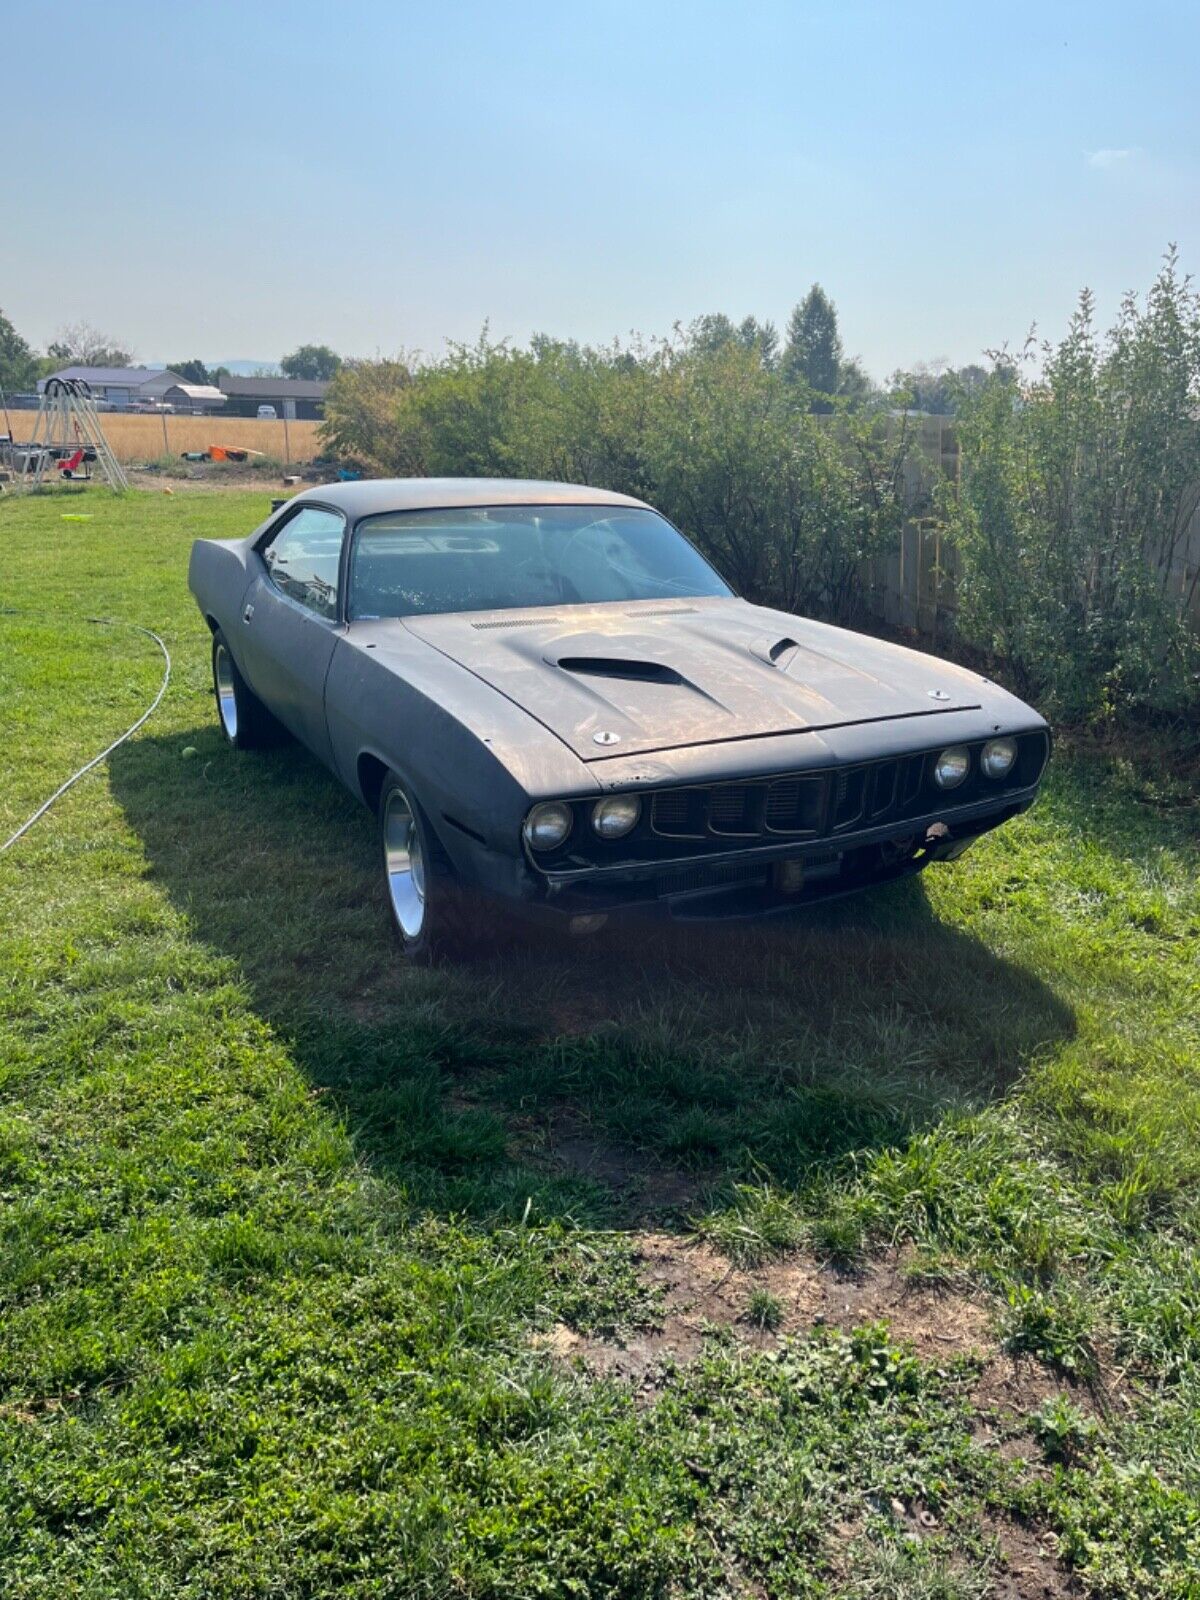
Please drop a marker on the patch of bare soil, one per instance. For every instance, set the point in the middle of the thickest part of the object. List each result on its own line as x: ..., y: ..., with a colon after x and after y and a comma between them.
x: 229, y: 479
x: 646, y: 1188
x: 1027, y: 1567
x: 700, y: 1289
x: 1011, y: 1388
x: 1031, y: 1569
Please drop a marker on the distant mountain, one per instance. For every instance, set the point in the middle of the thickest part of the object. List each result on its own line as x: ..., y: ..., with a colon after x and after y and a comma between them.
x: 244, y: 369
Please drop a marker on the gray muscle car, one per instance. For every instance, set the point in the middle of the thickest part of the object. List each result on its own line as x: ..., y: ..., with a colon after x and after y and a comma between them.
x: 554, y: 705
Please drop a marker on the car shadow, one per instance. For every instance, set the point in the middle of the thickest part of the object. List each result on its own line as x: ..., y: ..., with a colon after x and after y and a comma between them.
x: 615, y: 1079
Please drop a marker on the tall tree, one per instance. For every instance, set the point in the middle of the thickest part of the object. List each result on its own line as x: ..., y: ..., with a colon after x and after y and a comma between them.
x: 193, y: 371
x: 80, y: 344
x: 18, y: 364
x: 716, y: 331
x: 939, y: 390
x: 760, y: 336
x: 813, y: 353
x: 313, y: 361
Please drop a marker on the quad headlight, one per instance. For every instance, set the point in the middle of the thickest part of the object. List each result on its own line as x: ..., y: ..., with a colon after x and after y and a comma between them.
x: 998, y: 757
x: 616, y: 816
x: 547, y: 825
x: 952, y: 766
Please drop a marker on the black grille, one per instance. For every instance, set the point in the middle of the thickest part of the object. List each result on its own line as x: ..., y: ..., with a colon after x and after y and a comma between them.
x: 799, y: 806
x: 678, y: 813
x: 733, y: 807
x: 806, y: 811
x: 883, y: 788
x: 794, y: 805
x: 848, y: 800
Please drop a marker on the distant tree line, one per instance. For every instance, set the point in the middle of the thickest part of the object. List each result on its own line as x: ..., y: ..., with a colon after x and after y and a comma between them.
x: 79, y: 344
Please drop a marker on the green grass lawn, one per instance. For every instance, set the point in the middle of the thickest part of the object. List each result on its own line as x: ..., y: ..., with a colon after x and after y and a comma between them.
x: 314, y: 1267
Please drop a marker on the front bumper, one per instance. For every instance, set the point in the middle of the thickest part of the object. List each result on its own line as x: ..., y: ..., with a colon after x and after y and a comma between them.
x: 771, y: 879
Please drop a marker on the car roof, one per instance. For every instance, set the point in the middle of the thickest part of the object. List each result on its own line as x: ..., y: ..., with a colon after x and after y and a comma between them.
x: 370, y: 496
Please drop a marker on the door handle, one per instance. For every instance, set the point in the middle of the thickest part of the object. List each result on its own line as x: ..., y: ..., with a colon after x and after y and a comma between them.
x: 247, y: 613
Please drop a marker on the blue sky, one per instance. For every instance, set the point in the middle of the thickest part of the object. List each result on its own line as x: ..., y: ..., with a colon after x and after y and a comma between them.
x: 230, y: 180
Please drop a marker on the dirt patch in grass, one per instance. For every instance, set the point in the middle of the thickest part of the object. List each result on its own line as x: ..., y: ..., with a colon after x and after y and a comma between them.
x: 207, y: 479
x: 700, y: 1289
x: 643, y: 1187
x: 1011, y: 1388
x: 1030, y: 1570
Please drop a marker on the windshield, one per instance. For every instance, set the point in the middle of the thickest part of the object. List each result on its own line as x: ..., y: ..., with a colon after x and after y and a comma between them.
x: 493, y: 558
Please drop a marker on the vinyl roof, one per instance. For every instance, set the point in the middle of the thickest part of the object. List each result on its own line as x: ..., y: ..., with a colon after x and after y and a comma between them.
x: 373, y: 496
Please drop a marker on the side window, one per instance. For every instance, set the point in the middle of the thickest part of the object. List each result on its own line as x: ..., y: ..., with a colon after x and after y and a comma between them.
x: 303, y: 559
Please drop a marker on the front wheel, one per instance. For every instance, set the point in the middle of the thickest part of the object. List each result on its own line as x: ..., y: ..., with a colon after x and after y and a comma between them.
x: 245, y: 721
x: 428, y: 908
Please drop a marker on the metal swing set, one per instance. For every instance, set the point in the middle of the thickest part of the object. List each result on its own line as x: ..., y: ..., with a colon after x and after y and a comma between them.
x: 68, y: 441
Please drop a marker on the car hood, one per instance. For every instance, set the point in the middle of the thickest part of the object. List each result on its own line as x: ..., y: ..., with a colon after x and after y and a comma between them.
x: 627, y: 679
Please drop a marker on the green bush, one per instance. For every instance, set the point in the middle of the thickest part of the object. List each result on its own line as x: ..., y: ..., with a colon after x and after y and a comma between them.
x: 1077, y: 489
x: 785, y: 503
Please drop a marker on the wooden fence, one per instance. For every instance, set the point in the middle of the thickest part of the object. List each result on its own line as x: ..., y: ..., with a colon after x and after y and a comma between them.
x: 141, y: 436
x: 915, y: 588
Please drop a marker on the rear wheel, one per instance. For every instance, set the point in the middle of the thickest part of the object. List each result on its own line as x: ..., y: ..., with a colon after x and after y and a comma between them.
x: 245, y: 721
x: 429, y: 910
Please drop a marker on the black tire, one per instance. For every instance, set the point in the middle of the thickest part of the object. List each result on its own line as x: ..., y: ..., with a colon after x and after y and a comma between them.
x: 243, y: 719
x: 432, y: 915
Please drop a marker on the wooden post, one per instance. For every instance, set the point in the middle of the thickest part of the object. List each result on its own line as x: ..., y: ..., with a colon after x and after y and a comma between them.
x: 287, y: 448
x: 166, y: 444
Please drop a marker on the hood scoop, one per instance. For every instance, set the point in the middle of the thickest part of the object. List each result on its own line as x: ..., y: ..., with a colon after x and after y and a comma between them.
x: 615, y: 667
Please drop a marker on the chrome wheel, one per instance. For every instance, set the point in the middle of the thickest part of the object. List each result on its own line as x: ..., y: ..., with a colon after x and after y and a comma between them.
x: 404, y: 864
x: 226, y: 694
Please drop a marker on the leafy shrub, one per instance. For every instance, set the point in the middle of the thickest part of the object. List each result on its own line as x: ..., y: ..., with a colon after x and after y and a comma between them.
x: 1077, y: 485
x: 785, y: 503
x: 1076, y: 494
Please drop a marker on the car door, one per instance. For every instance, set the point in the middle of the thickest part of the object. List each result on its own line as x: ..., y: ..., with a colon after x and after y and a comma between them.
x: 291, y: 622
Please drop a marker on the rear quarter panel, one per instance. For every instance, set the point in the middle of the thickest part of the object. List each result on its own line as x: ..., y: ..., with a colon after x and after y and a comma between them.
x: 218, y: 576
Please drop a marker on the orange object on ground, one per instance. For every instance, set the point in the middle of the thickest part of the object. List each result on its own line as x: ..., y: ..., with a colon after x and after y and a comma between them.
x: 217, y: 452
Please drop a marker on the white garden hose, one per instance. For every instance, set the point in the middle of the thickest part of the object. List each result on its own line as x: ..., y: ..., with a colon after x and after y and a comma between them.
x: 100, y: 622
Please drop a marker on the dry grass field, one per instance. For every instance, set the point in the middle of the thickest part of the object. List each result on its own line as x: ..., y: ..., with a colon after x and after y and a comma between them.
x: 144, y: 436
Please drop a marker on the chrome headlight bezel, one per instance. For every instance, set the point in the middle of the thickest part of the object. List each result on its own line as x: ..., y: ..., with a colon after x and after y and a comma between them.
x: 952, y: 766
x: 616, y: 816
x: 535, y: 824
x: 987, y: 757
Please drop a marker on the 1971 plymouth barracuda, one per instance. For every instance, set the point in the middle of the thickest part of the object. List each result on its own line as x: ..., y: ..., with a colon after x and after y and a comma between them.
x: 554, y: 705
